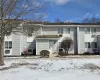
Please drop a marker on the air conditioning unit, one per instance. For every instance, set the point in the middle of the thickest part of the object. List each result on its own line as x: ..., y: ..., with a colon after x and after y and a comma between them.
x: 61, y: 49
x: 93, y: 36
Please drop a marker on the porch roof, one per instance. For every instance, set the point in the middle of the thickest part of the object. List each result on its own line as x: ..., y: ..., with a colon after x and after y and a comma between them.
x: 49, y: 36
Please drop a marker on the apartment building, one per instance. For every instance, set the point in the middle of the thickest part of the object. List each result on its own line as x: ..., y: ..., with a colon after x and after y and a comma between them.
x: 48, y: 36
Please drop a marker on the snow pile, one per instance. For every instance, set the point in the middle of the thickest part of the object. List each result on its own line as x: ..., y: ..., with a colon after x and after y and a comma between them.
x: 50, y: 69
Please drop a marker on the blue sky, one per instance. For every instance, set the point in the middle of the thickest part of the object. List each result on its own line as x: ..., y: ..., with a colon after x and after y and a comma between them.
x: 72, y: 10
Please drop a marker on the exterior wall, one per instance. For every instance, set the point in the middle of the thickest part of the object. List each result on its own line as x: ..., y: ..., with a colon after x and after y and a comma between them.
x: 16, y: 44
x: 83, y: 37
x: 72, y: 30
x: 8, y: 38
x: 41, y: 44
x: 81, y: 41
x: 77, y: 33
x: 50, y: 31
x: 23, y: 42
x: 19, y: 42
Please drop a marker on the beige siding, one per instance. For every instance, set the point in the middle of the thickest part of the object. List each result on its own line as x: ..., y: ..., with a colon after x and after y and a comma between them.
x: 50, y: 31
x: 41, y: 44
x: 98, y: 31
x: 16, y: 44
x: 72, y: 37
x: 81, y: 41
x: 23, y: 42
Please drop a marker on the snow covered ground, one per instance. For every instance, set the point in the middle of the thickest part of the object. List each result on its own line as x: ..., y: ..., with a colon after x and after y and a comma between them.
x: 50, y: 69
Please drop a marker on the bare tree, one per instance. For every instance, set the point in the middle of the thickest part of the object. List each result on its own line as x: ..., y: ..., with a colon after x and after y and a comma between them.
x: 91, y: 20
x: 11, y: 10
x: 57, y: 20
x: 66, y: 44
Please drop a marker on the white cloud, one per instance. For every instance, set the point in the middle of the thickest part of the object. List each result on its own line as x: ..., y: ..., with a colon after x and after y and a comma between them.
x: 59, y: 2
x: 87, y: 15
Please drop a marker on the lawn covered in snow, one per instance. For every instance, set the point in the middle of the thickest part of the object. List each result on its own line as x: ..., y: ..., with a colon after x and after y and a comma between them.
x: 50, y: 69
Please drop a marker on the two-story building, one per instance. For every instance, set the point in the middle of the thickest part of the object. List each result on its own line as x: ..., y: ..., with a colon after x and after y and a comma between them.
x: 47, y: 36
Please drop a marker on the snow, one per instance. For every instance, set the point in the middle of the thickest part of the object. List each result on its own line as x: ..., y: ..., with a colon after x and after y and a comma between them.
x: 50, y: 69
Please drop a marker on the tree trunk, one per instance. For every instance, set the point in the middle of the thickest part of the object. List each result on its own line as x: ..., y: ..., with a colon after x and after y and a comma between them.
x: 66, y: 51
x: 1, y: 52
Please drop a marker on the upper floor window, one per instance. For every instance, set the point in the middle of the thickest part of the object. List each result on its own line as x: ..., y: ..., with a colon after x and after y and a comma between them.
x: 8, y: 44
x: 68, y: 30
x: 90, y: 30
x: 60, y: 30
x: 87, y: 30
x: 93, y: 30
x: 30, y: 31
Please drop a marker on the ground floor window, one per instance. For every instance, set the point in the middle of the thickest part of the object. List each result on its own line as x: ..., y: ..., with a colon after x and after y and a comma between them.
x: 94, y: 45
x: 7, y: 51
x: 90, y: 44
x: 8, y: 46
x: 87, y: 44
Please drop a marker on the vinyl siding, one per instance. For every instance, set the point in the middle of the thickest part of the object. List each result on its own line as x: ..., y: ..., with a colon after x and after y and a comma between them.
x: 41, y: 44
x: 81, y: 41
x: 23, y: 42
x: 50, y: 31
x: 72, y: 37
x: 16, y: 44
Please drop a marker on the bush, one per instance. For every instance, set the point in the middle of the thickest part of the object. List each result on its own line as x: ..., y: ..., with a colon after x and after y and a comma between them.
x: 44, y: 53
x: 61, y: 53
x: 86, y: 53
x: 96, y: 53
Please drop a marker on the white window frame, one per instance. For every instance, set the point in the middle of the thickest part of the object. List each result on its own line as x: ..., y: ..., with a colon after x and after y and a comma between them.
x: 90, y: 30
x: 87, y: 45
x: 67, y: 31
x: 60, y: 30
x: 93, y: 30
x: 8, y: 47
x: 87, y: 30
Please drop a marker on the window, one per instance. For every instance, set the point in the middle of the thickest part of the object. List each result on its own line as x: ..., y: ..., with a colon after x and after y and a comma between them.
x: 30, y: 50
x: 60, y: 30
x: 90, y: 30
x: 87, y: 44
x: 30, y: 31
x: 93, y: 36
x: 7, y: 51
x: 87, y: 30
x: 68, y: 30
x: 90, y: 45
x: 94, y: 45
x: 93, y: 30
x: 8, y: 44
